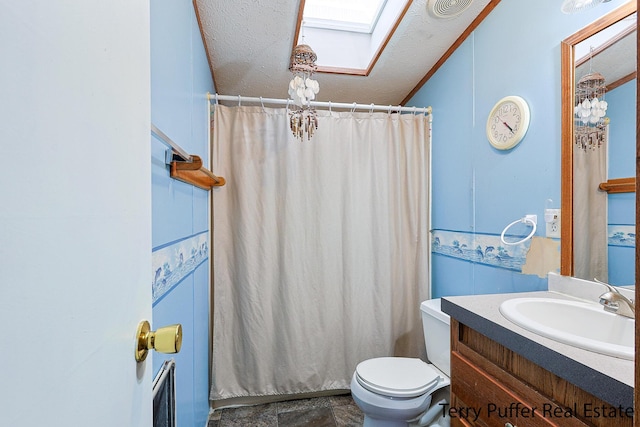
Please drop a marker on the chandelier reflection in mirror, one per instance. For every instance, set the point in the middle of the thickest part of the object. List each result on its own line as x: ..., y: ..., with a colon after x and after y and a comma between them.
x: 590, y: 110
x: 303, y: 119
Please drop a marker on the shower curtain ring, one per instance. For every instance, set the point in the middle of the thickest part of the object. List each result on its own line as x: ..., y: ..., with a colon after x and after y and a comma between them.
x: 262, y: 103
x: 329, y: 107
x: 389, y: 112
x: 353, y: 109
x: 371, y: 110
x: 239, y: 101
x: 216, y: 98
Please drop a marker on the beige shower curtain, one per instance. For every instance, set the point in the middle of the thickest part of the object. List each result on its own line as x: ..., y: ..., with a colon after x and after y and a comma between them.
x: 320, y: 248
x: 590, y: 239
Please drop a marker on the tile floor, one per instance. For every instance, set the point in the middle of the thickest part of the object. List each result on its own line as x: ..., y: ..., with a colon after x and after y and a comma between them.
x: 331, y: 411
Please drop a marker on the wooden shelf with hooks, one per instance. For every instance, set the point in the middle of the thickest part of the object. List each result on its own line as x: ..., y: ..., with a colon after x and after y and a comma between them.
x: 195, y: 174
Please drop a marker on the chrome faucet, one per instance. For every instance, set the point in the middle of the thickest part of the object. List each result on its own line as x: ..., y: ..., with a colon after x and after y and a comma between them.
x: 614, y: 302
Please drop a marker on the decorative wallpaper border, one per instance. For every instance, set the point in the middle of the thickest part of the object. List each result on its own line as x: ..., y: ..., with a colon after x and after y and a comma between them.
x: 479, y: 248
x: 173, y: 262
x: 622, y: 235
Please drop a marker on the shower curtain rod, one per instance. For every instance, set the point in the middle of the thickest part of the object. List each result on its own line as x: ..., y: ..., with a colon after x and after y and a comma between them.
x: 354, y: 106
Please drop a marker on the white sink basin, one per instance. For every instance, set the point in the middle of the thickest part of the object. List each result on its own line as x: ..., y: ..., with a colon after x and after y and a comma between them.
x: 580, y: 324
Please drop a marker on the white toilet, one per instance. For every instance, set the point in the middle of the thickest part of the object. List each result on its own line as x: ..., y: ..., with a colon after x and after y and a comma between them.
x: 400, y: 391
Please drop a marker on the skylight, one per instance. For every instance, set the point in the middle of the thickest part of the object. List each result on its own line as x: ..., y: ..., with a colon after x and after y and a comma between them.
x: 348, y: 35
x: 346, y: 15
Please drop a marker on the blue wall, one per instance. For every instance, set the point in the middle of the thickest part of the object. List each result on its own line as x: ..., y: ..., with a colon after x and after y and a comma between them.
x: 621, y: 219
x: 180, y: 80
x: 622, y: 130
x: 476, y: 188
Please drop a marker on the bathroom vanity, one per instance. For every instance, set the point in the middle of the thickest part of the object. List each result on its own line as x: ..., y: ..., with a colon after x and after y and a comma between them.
x: 501, y: 373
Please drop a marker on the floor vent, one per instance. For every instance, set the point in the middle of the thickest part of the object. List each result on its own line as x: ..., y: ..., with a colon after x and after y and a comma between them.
x: 164, y: 396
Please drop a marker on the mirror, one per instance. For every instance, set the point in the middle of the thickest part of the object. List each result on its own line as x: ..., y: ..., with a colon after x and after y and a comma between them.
x: 598, y: 161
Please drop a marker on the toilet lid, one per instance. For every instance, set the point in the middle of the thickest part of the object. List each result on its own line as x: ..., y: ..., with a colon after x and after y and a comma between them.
x: 397, y: 376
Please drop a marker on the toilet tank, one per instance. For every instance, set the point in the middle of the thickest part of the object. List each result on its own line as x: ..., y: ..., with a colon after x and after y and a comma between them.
x: 437, y: 335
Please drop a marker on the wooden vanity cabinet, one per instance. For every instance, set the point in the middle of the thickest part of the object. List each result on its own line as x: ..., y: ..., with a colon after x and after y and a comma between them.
x: 492, y: 386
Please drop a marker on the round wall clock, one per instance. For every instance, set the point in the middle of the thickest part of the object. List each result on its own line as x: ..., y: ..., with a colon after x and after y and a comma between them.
x: 507, y: 123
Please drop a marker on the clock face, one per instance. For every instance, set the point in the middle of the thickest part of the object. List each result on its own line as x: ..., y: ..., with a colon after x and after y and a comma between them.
x: 508, y: 122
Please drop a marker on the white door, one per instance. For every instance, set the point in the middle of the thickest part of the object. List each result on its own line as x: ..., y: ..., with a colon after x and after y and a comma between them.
x: 75, y: 212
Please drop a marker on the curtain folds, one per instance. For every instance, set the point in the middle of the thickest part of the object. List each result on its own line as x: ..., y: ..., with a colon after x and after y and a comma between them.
x: 590, y: 237
x: 320, y: 248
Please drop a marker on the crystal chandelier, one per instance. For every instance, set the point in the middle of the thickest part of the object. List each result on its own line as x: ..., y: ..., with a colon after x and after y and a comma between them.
x: 303, y: 120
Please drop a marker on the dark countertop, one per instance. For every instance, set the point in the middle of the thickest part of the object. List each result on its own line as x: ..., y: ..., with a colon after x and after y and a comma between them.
x: 609, y: 378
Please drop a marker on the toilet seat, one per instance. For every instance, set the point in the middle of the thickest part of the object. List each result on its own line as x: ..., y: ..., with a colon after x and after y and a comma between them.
x: 397, y: 376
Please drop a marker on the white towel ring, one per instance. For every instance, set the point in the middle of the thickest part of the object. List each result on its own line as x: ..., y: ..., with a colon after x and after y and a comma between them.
x: 526, y: 219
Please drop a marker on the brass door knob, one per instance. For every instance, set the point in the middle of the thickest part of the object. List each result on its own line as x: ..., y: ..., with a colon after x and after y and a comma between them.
x: 165, y: 340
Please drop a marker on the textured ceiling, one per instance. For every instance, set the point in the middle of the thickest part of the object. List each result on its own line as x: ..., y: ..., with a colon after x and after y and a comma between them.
x: 615, y: 62
x: 249, y: 43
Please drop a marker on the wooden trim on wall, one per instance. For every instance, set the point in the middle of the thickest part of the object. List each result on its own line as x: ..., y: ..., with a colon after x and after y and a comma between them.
x: 601, y: 23
x: 636, y: 396
x: 566, y: 187
x: 298, y: 25
x: 388, y: 37
x: 348, y: 71
x: 621, y: 81
x: 476, y: 22
x: 204, y: 42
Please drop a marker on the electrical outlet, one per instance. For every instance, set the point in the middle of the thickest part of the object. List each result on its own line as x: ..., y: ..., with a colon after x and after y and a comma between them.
x: 552, y: 220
